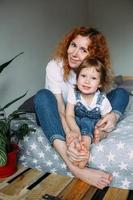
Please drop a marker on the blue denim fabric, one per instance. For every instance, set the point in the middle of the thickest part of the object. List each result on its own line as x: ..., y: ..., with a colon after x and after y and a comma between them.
x: 48, y: 116
x: 87, y: 119
x: 119, y: 99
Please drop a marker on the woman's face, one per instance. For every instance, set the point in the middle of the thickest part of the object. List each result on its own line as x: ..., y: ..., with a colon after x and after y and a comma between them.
x: 77, y: 51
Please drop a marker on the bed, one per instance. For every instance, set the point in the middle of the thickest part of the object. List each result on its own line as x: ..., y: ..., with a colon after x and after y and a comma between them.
x: 113, y: 154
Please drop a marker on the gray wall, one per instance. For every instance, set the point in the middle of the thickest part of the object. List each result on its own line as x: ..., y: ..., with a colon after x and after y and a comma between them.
x: 115, y: 19
x: 35, y: 27
x: 32, y: 26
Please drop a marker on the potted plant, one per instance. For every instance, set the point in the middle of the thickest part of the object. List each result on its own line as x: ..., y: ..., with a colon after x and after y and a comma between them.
x: 8, y: 150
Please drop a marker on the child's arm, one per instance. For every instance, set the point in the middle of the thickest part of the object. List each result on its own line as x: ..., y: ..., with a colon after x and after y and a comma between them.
x: 70, y: 118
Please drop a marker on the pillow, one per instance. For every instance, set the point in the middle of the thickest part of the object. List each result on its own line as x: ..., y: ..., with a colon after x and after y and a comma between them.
x: 28, y: 105
x: 126, y: 84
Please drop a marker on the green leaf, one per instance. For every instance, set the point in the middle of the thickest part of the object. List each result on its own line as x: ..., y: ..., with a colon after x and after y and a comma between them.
x: 4, y: 65
x: 7, y: 105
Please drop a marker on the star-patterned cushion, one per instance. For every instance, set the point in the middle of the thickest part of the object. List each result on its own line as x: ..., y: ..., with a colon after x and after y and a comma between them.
x: 113, y: 154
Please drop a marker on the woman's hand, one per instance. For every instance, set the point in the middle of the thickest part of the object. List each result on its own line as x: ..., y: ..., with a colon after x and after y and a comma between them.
x: 72, y: 135
x: 74, y: 153
x: 108, y: 122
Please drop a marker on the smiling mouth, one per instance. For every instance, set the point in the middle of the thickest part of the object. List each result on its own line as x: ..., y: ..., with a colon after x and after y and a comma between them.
x: 73, y: 60
x: 86, y: 87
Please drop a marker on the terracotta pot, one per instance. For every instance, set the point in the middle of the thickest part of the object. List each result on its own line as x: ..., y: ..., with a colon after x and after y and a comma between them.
x: 11, y: 166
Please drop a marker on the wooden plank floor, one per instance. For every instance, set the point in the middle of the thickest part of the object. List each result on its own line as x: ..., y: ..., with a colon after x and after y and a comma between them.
x: 31, y: 184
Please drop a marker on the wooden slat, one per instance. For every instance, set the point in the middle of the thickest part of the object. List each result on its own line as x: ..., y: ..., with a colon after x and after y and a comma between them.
x: 116, y: 194
x: 31, y: 184
x: 21, y: 182
x: 52, y: 185
x: 128, y: 77
x: 90, y: 193
x: 75, y: 191
x: 20, y: 169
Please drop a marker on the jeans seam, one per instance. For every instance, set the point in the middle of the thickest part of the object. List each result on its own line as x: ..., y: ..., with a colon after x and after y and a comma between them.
x: 60, y: 137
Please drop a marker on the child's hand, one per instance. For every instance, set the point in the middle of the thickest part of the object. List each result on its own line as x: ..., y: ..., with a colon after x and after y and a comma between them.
x: 72, y: 136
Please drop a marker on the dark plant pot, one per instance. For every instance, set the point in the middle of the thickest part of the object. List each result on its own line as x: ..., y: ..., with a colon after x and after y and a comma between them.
x: 11, y: 167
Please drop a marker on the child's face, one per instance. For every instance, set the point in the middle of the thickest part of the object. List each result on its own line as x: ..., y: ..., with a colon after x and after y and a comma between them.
x: 89, y: 80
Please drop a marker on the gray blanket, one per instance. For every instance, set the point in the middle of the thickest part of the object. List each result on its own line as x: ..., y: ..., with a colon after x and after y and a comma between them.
x: 113, y: 154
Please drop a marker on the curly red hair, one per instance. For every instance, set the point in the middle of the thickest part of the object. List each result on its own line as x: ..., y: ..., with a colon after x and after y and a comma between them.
x: 97, y: 49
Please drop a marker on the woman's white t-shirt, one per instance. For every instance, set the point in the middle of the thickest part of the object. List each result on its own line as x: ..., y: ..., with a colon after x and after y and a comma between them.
x: 54, y: 79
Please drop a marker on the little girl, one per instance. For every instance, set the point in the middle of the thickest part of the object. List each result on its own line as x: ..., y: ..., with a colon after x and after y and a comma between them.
x: 87, y: 103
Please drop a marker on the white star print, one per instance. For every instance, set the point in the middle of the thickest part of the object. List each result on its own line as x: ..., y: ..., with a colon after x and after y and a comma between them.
x: 27, y: 153
x: 40, y: 139
x: 26, y: 138
x: 38, y: 167
x: 100, y: 147
x: 49, y: 163
x: 130, y: 154
x: 56, y: 157
x: 22, y: 158
x: 63, y: 166
x: 102, y: 166
x: 35, y: 161
x: 20, y: 145
x: 125, y: 183
x: 91, y: 159
x: 120, y: 145
x: 41, y: 154
x: 123, y: 166
x: 33, y: 146
x: 110, y: 157
x: 69, y: 174
x: 53, y: 170
x: 115, y: 174
x: 47, y: 147
x: 25, y: 164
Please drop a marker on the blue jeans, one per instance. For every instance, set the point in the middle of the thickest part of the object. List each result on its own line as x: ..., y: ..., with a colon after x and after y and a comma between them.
x: 48, y: 116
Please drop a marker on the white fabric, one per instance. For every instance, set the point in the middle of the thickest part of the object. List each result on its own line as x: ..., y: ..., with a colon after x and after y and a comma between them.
x: 105, y: 106
x: 54, y: 79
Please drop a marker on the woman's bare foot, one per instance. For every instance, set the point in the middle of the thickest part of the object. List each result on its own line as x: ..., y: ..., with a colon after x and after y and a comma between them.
x: 99, y: 135
x: 93, y: 177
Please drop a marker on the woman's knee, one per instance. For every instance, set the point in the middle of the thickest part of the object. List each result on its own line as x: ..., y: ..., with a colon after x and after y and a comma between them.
x: 43, y: 96
x: 118, y: 93
x: 122, y: 94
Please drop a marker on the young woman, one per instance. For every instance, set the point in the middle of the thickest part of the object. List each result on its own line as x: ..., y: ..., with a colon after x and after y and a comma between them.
x: 50, y: 102
x: 86, y: 104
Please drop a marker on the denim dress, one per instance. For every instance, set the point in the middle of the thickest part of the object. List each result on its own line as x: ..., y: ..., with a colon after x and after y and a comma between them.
x: 87, y: 119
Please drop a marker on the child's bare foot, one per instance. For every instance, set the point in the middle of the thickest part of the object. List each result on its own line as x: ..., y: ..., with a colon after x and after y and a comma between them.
x: 85, y: 146
x: 77, y: 145
x: 99, y: 135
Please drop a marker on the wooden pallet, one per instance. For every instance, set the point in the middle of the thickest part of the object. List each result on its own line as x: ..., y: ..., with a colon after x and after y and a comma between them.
x: 31, y: 184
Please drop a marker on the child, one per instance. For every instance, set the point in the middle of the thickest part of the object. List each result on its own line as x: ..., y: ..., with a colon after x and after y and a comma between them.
x: 87, y: 103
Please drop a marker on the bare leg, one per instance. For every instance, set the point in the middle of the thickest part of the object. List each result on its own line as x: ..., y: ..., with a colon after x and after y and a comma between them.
x: 93, y: 177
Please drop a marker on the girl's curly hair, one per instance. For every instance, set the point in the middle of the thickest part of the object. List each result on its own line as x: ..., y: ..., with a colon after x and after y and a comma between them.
x: 97, y: 49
